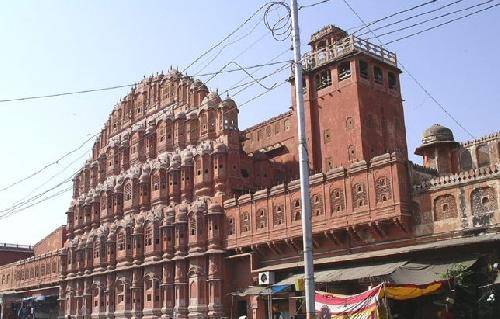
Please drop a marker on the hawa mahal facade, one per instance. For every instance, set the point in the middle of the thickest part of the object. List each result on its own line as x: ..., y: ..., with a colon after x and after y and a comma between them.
x: 178, y: 209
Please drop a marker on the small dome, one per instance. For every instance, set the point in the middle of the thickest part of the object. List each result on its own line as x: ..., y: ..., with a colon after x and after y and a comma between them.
x: 228, y: 102
x: 437, y: 133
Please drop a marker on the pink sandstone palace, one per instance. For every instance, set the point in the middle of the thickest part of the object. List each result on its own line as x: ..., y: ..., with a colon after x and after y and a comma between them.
x: 178, y: 213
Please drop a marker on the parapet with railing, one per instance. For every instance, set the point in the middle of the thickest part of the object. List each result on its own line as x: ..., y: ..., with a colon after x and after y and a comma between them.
x: 342, y: 48
x: 4, y: 246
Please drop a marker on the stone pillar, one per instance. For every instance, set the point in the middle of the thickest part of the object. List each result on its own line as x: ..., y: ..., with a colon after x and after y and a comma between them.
x: 136, y: 292
x: 87, y: 298
x: 167, y: 289
x: 79, y: 299
x: 215, y: 290
x: 61, y: 300
x: 181, y: 290
x: 197, y: 289
x: 110, y: 295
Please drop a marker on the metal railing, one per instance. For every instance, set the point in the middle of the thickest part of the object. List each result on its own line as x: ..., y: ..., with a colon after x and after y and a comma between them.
x: 344, y: 47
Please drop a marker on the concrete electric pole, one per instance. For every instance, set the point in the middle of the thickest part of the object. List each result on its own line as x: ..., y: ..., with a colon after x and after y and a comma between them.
x: 304, y: 167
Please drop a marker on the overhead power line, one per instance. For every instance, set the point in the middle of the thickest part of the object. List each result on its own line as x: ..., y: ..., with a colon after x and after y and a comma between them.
x: 406, y: 19
x: 67, y: 93
x: 130, y: 85
x: 313, y: 4
x: 227, y: 45
x: 433, y: 19
x: 443, y: 24
x: 210, y: 49
x: 51, y: 178
x: 367, y: 25
x: 47, y: 165
x: 18, y: 210
x: 413, y: 77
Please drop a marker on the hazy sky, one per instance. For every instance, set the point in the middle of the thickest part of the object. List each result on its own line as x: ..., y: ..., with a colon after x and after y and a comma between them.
x: 57, y: 46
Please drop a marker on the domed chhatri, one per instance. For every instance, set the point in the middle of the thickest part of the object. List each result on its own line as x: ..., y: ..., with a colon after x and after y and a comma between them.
x: 436, y: 134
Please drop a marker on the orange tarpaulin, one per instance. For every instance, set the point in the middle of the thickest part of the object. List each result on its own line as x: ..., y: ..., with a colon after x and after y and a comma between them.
x: 403, y: 292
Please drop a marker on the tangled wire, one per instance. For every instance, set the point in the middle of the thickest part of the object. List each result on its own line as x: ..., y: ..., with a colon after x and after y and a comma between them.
x: 277, y: 18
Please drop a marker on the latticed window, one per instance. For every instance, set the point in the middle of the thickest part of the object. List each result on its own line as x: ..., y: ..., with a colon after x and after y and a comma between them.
x: 278, y: 215
x: 128, y: 191
x: 148, y: 236
x: 192, y: 226
x: 483, y: 200
x: 445, y: 207
x: 297, y: 213
x: 244, y: 222
x: 156, y: 182
x: 96, y: 250
x: 286, y: 125
x: 359, y: 195
x: 121, y: 241
x: 337, y: 200
x: 261, y: 218
x: 317, y: 205
x: 383, y: 191
x: 230, y: 226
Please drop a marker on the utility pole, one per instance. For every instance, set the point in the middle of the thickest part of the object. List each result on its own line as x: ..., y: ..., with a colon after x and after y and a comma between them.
x: 304, y: 167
